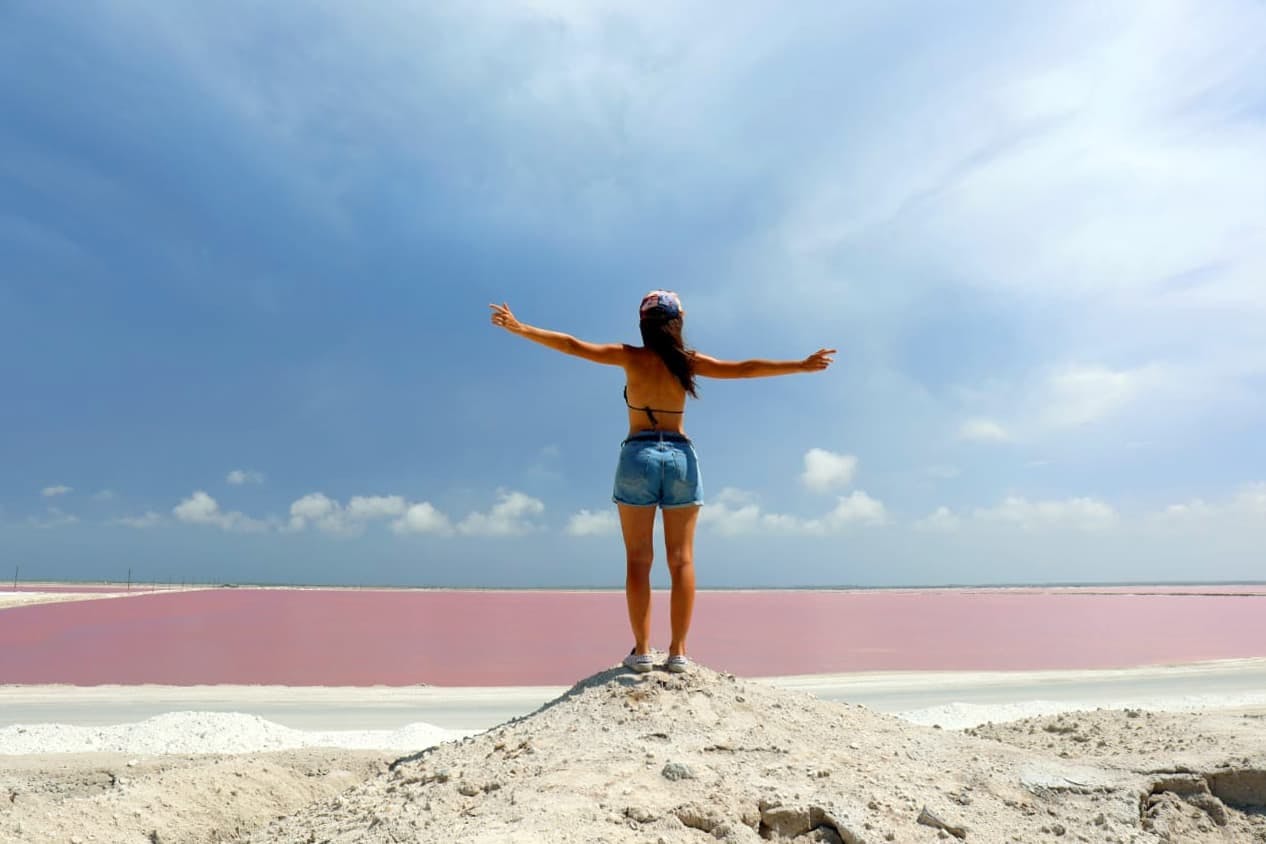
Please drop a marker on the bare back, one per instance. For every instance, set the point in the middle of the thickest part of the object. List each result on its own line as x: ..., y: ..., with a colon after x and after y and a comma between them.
x: 651, y: 384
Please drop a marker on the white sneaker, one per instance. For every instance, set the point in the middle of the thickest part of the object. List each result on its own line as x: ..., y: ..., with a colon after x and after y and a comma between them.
x: 641, y: 663
x: 678, y: 664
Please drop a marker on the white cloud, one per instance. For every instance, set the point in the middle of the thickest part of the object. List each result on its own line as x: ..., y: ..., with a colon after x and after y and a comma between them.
x: 511, y: 515
x: 982, y: 430
x: 53, y: 518
x: 943, y: 472
x: 824, y: 470
x: 1251, y: 498
x: 150, y: 519
x: 367, y: 507
x: 940, y: 520
x: 858, y: 507
x: 735, y: 512
x: 422, y: 518
x: 52, y: 491
x: 238, y: 477
x: 202, y: 509
x: 1078, y: 396
x: 318, y: 510
x: 1247, y: 501
x: 105, y: 495
x: 1079, y: 513
x: 586, y: 523
x: 324, y: 513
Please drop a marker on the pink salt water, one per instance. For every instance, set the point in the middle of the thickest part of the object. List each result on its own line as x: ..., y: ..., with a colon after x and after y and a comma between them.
x: 341, y: 637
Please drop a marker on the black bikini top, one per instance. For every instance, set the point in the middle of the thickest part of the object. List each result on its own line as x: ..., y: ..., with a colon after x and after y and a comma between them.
x: 649, y: 411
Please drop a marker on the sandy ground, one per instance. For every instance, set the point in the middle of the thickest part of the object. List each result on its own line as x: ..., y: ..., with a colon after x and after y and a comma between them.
x: 649, y: 758
x: 22, y: 599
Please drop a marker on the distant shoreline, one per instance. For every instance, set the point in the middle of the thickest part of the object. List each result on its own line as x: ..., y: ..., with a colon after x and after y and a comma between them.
x: 159, y: 586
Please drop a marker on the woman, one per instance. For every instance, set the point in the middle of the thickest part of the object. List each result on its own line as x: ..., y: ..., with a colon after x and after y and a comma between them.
x: 658, y: 466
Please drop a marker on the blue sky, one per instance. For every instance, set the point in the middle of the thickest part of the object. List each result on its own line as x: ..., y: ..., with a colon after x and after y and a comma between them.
x: 247, y: 254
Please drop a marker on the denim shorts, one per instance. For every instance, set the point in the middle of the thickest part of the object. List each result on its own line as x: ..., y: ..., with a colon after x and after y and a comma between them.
x: 658, y: 469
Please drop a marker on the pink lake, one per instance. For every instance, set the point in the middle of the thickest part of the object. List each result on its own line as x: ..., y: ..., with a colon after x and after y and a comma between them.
x: 345, y: 637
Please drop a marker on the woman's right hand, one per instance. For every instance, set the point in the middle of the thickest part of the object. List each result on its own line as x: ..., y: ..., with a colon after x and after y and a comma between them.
x: 818, y: 361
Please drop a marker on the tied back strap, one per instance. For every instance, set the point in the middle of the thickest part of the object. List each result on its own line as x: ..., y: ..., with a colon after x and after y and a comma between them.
x: 649, y: 411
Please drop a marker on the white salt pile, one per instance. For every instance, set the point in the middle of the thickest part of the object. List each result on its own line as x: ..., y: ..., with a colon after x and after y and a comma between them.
x: 210, y: 732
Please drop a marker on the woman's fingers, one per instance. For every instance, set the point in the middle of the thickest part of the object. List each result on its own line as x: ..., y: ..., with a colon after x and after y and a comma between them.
x: 821, y: 359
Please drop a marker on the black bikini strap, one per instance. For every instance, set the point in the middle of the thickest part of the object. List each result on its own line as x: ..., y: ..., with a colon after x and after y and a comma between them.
x: 648, y: 410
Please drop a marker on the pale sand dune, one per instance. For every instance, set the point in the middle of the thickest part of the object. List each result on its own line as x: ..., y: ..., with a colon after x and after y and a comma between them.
x: 601, y: 762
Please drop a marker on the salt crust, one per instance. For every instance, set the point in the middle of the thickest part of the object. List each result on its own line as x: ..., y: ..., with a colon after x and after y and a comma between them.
x: 210, y: 732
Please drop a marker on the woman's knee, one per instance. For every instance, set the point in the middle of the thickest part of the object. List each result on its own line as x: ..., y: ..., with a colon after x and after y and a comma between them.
x: 680, y: 557
x: 639, y: 559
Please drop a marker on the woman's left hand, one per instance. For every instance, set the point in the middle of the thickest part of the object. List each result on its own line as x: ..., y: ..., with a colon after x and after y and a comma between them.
x: 502, y: 317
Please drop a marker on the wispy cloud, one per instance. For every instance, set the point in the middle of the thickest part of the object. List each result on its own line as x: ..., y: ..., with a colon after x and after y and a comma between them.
x: 1080, y: 513
x: 983, y: 430
x: 54, y: 491
x: 148, y: 520
x: 54, y: 517
x: 238, y: 477
x: 940, y: 520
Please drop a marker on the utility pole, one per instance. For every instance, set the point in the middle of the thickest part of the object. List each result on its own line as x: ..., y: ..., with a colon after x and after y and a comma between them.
x: 129, y: 579
x: 15, y: 578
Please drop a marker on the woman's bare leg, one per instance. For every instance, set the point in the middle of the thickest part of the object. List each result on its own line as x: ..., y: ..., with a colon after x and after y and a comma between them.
x: 638, y: 526
x: 679, y: 539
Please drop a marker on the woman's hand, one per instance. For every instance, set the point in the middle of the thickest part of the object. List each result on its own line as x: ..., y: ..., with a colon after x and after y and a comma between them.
x: 502, y: 318
x: 818, y: 361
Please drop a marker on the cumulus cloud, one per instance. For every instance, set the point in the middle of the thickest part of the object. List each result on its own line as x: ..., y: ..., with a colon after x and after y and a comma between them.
x: 332, y: 517
x: 983, y: 430
x: 238, y: 477
x: 735, y: 512
x: 940, y: 520
x: 1079, y: 513
x: 201, y: 509
x: 148, y: 520
x: 510, y: 516
x: 367, y: 507
x: 53, y: 491
x: 825, y: 470
x: 422, y: 518
x: 586, y: 523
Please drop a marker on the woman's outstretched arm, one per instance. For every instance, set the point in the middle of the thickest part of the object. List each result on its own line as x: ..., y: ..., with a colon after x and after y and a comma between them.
x: 609, y: 353
x: 710, y: 367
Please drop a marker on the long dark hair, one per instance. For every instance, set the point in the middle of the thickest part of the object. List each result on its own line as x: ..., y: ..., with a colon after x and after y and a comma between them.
x: 663, y: 337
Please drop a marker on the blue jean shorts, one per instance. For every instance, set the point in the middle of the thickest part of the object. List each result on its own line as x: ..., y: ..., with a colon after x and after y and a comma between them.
x: 658, y: 470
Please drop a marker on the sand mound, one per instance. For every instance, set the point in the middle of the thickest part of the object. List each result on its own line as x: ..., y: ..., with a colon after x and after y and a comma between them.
x: 660, y: 758
x: 706, y: 757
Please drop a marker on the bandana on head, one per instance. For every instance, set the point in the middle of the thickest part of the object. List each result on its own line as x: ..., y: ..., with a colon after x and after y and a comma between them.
x: 662, y: 303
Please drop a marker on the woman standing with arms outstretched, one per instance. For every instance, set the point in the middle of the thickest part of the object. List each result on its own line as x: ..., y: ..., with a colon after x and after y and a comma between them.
x: 658, y: 466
